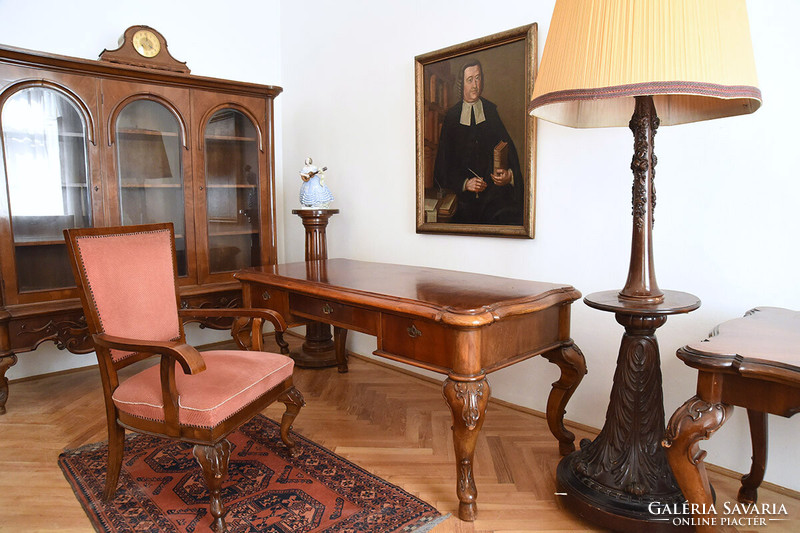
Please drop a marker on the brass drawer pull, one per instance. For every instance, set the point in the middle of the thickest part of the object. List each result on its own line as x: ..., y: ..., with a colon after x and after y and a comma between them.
x: 266, y: 295
x: 413, y: 332
x: 327, y: 309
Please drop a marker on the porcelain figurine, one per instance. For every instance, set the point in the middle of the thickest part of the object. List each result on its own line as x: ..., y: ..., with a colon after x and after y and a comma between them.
x: 313, y: 192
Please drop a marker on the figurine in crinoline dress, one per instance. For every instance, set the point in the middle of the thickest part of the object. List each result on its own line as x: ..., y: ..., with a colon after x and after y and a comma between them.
x: 313, y: 192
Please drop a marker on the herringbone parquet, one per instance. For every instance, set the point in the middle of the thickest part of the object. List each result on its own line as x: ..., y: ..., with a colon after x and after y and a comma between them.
x: 388, y: 422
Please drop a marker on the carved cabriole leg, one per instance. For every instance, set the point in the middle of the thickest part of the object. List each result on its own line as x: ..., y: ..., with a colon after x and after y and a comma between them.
x: 748, y: 493
x: 5, y: 363
x: 214, y: 463
x: 294, y: 401
x: 467, y: 401
x: 573, y: 367
x: 693, y: 421
x: 340, y: 347
x: 116, y: 448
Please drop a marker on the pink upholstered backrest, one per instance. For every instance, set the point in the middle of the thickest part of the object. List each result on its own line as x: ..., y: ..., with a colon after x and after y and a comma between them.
x: 131, y: 284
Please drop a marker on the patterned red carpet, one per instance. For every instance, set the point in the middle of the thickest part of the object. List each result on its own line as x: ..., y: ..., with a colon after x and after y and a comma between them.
x: 161, y: 489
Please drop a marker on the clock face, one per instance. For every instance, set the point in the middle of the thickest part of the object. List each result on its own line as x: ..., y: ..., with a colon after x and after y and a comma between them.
x: 146, y: 43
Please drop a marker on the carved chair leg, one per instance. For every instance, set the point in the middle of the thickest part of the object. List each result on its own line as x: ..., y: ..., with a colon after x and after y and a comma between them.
x: 748, y: 493
x: 695, y: 420
x: 294, y: 401
x: 116, y: 447
x: 467, y: 401
x: 573, y: 367
x: 213, y: 461
x: 340, y: 348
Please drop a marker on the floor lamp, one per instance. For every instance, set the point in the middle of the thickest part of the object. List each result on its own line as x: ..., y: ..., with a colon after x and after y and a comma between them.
x: 639, y: 63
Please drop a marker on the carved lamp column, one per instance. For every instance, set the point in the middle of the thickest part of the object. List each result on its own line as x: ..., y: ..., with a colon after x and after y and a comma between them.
x: 318, y: 349
x: 639, y: 63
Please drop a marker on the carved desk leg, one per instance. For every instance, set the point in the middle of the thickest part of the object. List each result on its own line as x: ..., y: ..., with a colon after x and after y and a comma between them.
x: 467, y: 401
x: 5, y: 363
x: 214, y: 462
x: 694, y: 420
x: 748, y: 493
x: 340, y: 348
x: 573, y: 367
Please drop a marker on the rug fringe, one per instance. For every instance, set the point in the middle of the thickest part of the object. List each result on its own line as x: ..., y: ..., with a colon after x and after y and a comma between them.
x: 430, y: 525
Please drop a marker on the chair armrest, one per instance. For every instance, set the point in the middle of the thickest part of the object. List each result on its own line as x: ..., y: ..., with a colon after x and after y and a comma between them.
x: 250, y: 312
x: 189, y: 358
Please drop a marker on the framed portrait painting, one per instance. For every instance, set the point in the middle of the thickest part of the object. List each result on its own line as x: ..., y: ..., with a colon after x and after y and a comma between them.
x: 476, y: 143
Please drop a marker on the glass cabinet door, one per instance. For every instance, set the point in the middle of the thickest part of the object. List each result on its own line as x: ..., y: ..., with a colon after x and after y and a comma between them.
x: 46, y: 158
x: 231, y: 184
x: 150, y: 171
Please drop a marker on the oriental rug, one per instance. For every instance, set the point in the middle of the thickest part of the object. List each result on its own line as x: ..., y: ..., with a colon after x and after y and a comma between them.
x: 161, y: 488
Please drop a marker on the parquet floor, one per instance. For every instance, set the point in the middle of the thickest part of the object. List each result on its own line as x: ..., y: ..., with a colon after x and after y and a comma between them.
x: 388, y: 422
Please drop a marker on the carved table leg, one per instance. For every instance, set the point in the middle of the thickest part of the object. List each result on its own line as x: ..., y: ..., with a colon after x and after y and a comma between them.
x: 694, y: 420
x: 467, y: 401
x: 5, y: 363
x: 748, y: 493
x: 340, y: 347
x: 573, y: 367
x: 293, y: 399
x: 214, y: 462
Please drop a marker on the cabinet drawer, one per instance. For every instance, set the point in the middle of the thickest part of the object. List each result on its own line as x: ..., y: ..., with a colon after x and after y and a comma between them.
x: 419, y: 340
x: 338, y: 314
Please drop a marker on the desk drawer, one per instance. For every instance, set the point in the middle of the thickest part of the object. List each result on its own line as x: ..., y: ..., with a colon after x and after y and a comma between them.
x: 419, y: 340
x: 338, y: 314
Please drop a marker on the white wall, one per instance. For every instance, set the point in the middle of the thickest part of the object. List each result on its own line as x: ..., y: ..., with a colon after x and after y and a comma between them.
x: 726, y: 222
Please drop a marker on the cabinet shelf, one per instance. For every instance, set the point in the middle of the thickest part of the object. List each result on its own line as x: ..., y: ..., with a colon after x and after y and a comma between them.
x: 231, y: 186
x: 233, y: 233
x: 152, y: 186
x: 230, y: 138
x: 39, y: 243
x: 148, y: 133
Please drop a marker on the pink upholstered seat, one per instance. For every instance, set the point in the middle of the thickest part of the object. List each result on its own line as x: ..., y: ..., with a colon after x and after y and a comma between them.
x: 231, y: 381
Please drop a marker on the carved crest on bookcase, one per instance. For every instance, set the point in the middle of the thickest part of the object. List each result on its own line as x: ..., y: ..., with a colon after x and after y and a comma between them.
x: 143, y: 46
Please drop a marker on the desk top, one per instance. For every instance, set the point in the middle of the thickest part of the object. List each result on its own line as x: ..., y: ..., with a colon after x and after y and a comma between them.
x: 458, y: 298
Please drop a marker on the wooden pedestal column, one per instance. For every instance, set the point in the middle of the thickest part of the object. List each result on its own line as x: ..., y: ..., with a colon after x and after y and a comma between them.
x: 318, y: 349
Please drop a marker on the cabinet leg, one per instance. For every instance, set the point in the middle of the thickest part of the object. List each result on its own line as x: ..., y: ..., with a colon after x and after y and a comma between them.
x: 214, y: 462
x: 695, y: 420
x: 573, y: 367
x: 340, y: 348
x: 748, y: 493
x: 5, y: 363
x: 467, y: 401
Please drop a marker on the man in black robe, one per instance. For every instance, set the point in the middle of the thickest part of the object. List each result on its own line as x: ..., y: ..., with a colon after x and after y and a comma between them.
x: 465, y: 158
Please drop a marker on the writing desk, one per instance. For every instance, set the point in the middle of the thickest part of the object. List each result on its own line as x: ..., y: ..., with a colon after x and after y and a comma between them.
x: 462, y: 325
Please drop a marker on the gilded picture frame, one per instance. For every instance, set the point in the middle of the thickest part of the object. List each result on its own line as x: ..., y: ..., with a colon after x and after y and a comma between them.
x: 471, y: 110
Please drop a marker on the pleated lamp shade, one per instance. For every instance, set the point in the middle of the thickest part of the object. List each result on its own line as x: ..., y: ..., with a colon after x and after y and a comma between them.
x: 693, y: 56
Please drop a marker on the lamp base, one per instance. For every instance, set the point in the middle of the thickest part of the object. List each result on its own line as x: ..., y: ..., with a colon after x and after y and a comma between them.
x: 613, y: 508
x: 621, y: 480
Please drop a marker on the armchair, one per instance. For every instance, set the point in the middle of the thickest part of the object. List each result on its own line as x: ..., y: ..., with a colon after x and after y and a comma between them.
x: 127, y: 280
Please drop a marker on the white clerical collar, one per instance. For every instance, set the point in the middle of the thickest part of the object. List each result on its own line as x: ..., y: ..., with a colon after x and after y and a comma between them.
x: 466, y: 109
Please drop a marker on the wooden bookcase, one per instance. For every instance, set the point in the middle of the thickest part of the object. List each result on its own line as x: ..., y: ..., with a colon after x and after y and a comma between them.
x: 126, y: 139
